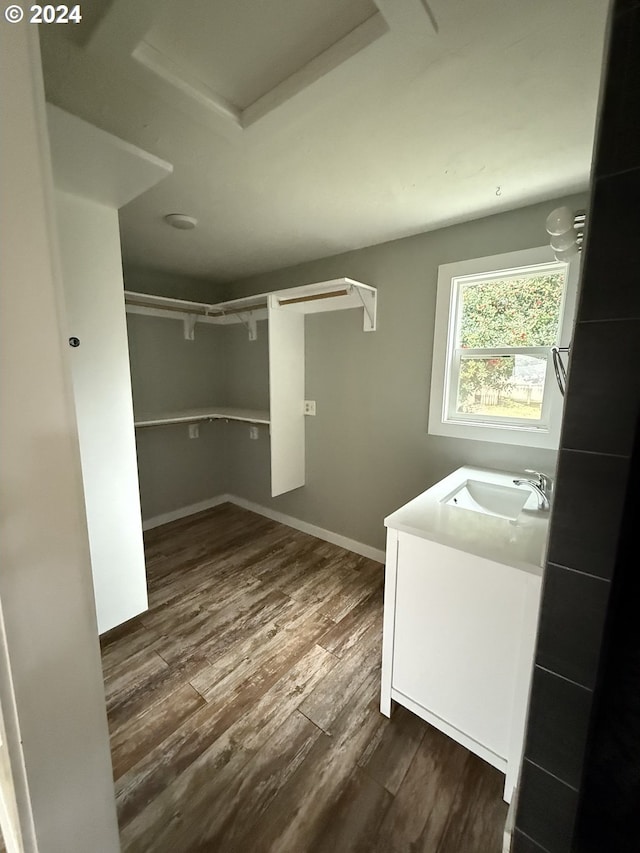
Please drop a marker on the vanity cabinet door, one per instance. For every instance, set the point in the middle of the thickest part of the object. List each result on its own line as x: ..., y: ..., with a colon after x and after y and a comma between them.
x: 457, y: 638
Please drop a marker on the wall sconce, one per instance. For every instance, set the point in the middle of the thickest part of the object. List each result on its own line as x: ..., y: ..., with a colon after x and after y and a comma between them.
x: 566, y: 229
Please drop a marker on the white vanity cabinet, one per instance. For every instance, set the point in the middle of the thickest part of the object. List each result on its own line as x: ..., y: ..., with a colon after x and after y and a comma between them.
x: 459, y: 632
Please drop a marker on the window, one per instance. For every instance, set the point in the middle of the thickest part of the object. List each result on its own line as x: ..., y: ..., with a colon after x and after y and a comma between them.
x: 496, y: 321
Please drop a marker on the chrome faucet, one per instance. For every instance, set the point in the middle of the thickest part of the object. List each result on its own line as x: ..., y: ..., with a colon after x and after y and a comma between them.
x: 542, y: 487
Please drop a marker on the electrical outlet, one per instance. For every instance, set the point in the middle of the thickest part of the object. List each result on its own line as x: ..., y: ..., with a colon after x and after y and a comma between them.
x: 254, y: 432
x: 194, y: 430
x: 309, y: 407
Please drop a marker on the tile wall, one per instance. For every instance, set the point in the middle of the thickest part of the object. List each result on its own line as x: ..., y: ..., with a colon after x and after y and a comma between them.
x: 593, y: 483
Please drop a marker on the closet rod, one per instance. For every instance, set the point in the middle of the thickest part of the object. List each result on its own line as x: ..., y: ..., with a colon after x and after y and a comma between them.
x: 242, y: 309
x: 203, y: 312
x: 312, y: 297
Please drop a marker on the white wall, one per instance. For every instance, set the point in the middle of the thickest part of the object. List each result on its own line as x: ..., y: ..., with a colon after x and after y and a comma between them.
x: 9, y: 817
x: 51, y: 691
x: 92, y: 276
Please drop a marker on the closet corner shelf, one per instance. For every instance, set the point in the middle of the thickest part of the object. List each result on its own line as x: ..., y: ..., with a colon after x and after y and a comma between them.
x: 211, y: 413
x: 335, y: 295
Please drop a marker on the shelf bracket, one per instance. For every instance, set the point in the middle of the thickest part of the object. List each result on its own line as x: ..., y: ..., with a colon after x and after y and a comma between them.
x: 369, y: 303
x: 249, y: 321
x: 189, y: 324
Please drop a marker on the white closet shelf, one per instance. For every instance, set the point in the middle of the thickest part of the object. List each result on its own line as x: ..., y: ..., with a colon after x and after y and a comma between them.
x: 285, y: 311
x: 211, y: 413
x: 335, y: 295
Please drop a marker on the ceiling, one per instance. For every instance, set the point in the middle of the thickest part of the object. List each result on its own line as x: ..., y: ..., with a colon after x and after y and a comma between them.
x: 302, y: 128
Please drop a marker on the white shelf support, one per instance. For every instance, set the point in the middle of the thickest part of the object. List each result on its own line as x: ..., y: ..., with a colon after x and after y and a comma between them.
x: 189, y: 323
x: 369, y: 299
x: 253, y: 327
x: 250, y: 322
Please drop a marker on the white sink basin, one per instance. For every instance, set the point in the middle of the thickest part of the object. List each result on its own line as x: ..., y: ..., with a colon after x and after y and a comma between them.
x: 489, y: 498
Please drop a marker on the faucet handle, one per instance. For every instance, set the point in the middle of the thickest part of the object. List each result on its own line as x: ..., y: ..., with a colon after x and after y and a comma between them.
x: 544, y: 481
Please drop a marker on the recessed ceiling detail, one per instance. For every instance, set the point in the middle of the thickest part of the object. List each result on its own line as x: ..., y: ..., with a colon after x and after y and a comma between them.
x: 277, y: 39
x: 251, y: 94
x: 192, y: 46
x: 382, y: 123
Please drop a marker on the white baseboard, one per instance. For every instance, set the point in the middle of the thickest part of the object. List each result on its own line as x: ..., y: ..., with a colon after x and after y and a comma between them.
x: 507, y: 838
x: 303, y: 526
x: 184, y: 511
x: 312, y: 529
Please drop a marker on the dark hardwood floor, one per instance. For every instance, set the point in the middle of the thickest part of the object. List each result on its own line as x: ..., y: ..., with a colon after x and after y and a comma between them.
x: 243, y: 707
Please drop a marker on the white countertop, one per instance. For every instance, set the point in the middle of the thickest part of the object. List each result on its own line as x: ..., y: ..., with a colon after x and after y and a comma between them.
x: 521, y: 543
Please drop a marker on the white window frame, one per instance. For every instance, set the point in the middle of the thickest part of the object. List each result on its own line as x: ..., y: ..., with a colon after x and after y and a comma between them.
x: 446, y: 357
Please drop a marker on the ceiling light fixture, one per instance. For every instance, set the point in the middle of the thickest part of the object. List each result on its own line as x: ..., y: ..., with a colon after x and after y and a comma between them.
x: 181, y: 221
x: 566, y: 229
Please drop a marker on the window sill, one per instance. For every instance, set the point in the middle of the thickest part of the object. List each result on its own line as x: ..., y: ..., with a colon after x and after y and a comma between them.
x: 515, y: 435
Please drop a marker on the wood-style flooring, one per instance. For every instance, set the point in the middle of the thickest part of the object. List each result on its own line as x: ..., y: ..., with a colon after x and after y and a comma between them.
x: 243, y: 707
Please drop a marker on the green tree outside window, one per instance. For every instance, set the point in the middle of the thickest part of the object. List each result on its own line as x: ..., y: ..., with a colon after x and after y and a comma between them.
x: 508, y: 312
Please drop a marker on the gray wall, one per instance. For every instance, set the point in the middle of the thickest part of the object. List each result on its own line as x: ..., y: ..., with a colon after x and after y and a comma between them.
x: 167, y: 373
x: 167, y: 284
x: 368, y: 450
x: 170, y: 373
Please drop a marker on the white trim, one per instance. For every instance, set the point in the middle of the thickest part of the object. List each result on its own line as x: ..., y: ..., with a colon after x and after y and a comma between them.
x: 187, y: 84
x: 303, y: 526
x: 488, y: 755
x: 523, y: 681
x: 11, y: 759
x: 510, y: 824
x: 312, y: 529
x: 537, y: 435
x: 11, y: 840
x: 184, y: 511
x: 389, y: 621
x: 327, y: 62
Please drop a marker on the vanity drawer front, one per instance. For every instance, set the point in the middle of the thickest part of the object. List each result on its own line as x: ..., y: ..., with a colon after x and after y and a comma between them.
x: 457, y: 638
